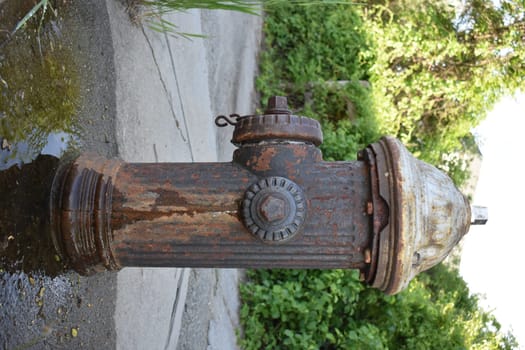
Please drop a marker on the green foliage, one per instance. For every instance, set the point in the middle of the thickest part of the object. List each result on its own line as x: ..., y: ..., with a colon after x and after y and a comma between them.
x: 347, y: 117
x: 312, y: 309
x: 278, y: 312
x: 436, y: 74
x: 432, y: 73
x: 39, y: 86
x: 165, y: 6
x: 316, y: 55
x: 157, y: 8
x: 309, y: 44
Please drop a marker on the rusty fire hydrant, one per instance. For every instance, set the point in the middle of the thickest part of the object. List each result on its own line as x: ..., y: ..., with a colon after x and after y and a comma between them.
x: 277, y: 204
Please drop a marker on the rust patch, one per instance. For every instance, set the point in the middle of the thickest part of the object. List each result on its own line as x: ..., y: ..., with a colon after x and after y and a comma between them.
x: 300, y: 152
x: 170, y: 198
x: 263, y: 161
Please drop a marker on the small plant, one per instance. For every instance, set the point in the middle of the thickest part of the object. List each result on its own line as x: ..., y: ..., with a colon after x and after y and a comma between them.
x: 165, y: 6
x: 158, y: 8
x: 246, y: 6
x: 42, y: 4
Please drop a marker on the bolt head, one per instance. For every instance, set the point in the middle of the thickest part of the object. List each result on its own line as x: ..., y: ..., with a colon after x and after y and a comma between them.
x: 272, y: 208
x: 369, y: 208
x: 279, y: 102
x: 277, y: 105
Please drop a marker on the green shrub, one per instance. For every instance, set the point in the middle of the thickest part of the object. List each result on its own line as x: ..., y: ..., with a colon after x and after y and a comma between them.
x: 347, y: 117
x: 317, y: 56
x: 308, y: 44
x: 278, y: 311
x: 314, y: 309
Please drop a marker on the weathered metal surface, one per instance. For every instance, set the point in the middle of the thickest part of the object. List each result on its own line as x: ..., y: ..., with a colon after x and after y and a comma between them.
x: 222, y: 120
x: 277, y: 124
x: 388, y: 214
x: 81, y: 210
x: 277, y: 105
x: 256, y: 128
x: 377, y: 209
x: 480, y: 215
x: 274, y: 209
x: 427, y: 216
x: 274, y: 159
x: 189, y: 215
x: 176, y: 214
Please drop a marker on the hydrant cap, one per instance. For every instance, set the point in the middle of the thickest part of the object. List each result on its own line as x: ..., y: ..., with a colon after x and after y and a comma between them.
x: 428, y: 217
x: 277, y: 123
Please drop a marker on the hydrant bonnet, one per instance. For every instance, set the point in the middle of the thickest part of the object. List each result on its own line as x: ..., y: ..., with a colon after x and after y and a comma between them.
x: 428, y: 216
x: 277, y: 123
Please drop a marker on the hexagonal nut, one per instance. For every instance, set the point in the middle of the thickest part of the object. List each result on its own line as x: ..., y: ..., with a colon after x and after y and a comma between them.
x: 272, y: 209
x: 278, y: 102
x: 277, y: 105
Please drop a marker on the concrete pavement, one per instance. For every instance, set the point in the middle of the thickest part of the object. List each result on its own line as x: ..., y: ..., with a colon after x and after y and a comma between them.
x: 168, y: 91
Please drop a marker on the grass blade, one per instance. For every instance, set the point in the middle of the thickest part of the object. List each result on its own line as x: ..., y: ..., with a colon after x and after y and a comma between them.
x: 30, y: 14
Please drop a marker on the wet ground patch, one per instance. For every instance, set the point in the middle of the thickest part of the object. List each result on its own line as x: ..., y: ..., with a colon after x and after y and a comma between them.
x: 39, y: 84
x: 56, y: 100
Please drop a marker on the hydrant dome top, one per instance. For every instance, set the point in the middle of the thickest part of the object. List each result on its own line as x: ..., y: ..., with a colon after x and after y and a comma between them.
x: 278, y: 123
x: 428, y: 217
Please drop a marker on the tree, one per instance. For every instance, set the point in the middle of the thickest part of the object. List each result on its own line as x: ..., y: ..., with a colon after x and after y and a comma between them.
x: 439, y: 69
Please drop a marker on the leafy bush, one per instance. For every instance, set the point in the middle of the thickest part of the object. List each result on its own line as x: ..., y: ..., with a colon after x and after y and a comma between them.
x: 347, y: 117
x: 432, y: 75
x: 437, y: 73
x: 316, y: 55
x: 278, y: 312
x: 313, y: 309
x: 308, y: 44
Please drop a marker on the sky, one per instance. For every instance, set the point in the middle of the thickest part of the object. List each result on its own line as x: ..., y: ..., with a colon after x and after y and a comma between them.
x: 493, y: 256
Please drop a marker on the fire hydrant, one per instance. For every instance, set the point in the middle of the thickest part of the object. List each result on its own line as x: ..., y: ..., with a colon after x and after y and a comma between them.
x: 277, y: 204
